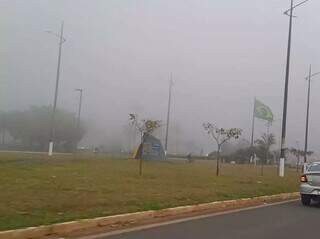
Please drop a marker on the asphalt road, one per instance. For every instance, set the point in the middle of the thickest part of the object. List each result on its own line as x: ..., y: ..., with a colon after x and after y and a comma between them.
x: 289, y: 220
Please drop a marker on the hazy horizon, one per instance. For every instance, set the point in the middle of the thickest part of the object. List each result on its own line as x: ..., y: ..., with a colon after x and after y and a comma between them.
x: 221, y: 56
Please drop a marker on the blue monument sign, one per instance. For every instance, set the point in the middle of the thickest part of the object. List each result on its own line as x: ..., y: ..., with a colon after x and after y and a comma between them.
x: 151, y: 149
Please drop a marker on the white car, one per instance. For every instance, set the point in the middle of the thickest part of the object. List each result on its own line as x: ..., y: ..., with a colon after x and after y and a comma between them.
x: 310, y: 184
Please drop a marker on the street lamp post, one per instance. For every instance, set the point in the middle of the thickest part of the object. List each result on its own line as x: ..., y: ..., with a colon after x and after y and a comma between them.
x: 52, y: 130
x: 298, y: 155
x: 307, y: 116
x: 285, y: 101
x: 79, y: 109
x: 79, y: 112
x: 168, y: 115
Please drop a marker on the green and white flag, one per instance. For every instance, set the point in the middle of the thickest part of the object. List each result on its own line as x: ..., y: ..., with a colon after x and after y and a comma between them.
x: 262, y: 111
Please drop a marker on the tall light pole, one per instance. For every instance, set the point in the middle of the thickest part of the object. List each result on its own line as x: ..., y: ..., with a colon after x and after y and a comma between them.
x: 168, y: 115
x: 307, y: 116
x: 285, y: 100
x: 79, y: 108
x: 52, y: 130
x: 298, y: 155
x: 79, y: 113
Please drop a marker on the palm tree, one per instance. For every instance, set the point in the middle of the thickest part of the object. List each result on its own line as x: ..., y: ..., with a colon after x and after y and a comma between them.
x: 263, y: 146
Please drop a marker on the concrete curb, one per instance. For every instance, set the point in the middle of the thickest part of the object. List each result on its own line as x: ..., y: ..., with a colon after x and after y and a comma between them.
x: 125, y: 220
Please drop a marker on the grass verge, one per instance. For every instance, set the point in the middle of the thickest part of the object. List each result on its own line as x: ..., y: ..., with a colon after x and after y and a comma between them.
x: 37, y: 190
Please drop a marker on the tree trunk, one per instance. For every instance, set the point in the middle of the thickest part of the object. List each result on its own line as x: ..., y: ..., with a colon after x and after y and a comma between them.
x: 266, y: 160
x: 3, y: 137
x: 218, y: 162
x: 140, y: 159
x: 140, y: 166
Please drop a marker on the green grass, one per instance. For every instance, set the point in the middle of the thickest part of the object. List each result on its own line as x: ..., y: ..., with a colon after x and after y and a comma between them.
x: 36, y: 190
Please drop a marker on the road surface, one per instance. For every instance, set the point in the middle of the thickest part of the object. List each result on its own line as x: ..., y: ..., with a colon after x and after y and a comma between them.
x: 289, y: 220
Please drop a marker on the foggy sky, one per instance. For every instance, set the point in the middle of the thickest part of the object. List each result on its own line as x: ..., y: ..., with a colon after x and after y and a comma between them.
x: 221, y: 54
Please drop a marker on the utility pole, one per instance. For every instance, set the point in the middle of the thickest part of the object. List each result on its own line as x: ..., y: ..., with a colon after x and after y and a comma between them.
x: 52, y: 131
x: 269, y: 123
x: 79, y: 113
x: 79, y: 109
x: 252, y: 157
x: 168, y: 115
x: 308, y: 113
x: 3, y: 135
x: 285, y: 100
x: 284, y: 117
x: 307, y: 118
x: 298, y: 155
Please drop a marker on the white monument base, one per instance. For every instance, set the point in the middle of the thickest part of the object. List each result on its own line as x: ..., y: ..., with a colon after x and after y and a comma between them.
x: 50, y: 148
x: 281, y: 167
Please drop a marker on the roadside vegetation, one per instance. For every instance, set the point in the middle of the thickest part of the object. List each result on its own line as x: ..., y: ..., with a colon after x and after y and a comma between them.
x: 29, y: 129
x: 38, y: 190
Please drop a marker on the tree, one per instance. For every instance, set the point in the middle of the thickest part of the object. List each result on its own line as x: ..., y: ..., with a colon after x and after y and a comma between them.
x: 221, y: 136
x: 263, y: 146
x: 144, y: 126
x: 31, y: 128
x: 3, y: 125
x: 240, y: 156
x: 231, y: 148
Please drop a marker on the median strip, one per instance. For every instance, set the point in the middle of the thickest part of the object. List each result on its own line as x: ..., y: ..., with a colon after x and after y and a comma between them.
x: 117, y: 222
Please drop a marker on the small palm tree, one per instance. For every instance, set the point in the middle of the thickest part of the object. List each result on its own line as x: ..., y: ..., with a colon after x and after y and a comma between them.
x: 263, y: 148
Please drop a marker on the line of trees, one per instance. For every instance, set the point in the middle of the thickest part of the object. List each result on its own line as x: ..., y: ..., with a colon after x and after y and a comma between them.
x: 221, y: 137
x: 29, y: 129
x: 298, y: 153
x: 240, y: 153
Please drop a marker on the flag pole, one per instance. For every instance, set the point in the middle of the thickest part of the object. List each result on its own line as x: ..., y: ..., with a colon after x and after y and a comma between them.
x: 267, y: 147
x: 252, y: 128
x: 168, y: 115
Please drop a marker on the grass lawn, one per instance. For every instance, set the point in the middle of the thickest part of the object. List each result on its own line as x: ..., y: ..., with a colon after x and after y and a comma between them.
x: 36, y: 190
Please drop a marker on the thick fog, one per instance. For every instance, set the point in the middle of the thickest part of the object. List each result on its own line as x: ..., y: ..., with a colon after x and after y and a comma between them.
x: 221, y: 55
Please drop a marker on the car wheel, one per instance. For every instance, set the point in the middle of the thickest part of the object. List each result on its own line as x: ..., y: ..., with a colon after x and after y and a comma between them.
x: 305, y: 199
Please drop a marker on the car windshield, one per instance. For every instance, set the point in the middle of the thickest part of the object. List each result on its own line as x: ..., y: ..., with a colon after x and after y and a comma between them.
x: 314, y: 168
